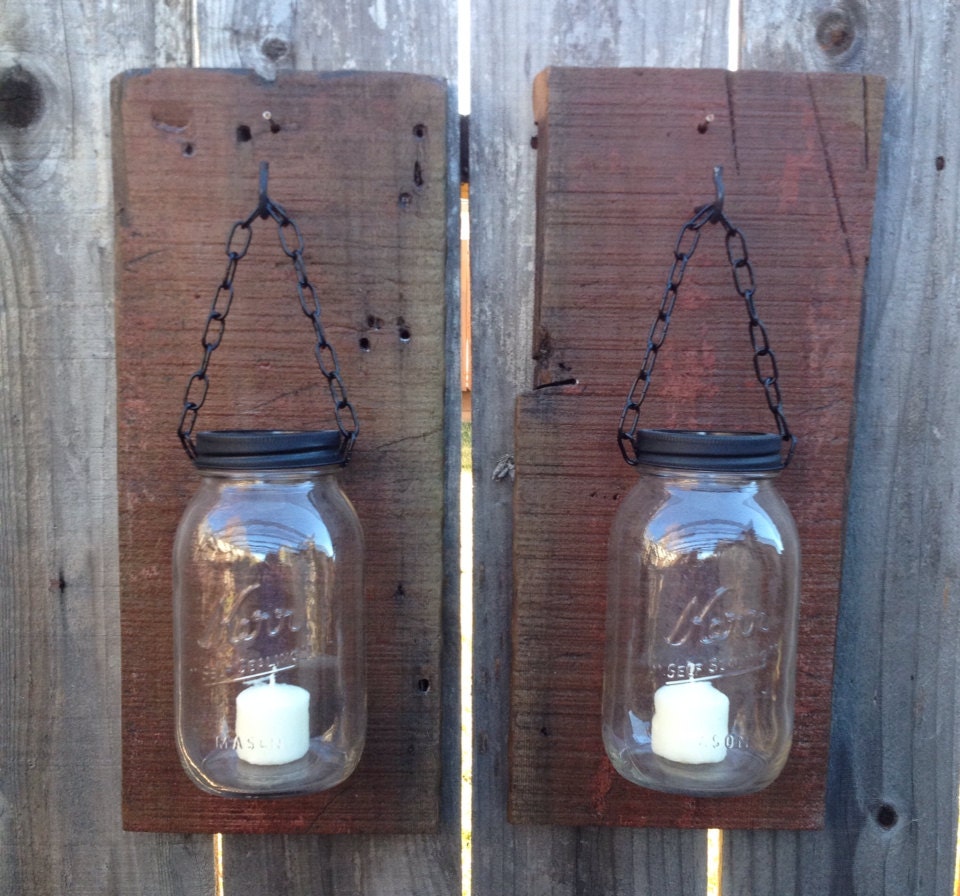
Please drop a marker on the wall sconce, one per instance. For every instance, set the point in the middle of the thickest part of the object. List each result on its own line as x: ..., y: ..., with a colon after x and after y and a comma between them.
x: 704, y: 572
x: 270, y: 694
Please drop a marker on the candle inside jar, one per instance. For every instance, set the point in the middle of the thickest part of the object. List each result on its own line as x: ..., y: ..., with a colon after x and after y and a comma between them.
x: 691, y: 721
x: 273, y: 723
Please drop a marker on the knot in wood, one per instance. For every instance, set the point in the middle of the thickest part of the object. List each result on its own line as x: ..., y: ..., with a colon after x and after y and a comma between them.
x: 21, y: 97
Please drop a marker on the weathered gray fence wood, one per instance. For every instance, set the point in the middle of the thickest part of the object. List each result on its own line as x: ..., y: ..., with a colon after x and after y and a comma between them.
x: 59, y: 651
x: 892, y: 792
x: 511, y: 43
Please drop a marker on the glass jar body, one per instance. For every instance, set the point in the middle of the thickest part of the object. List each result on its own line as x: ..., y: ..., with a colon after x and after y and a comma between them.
x: 270, y: 691
x: 702, y: 607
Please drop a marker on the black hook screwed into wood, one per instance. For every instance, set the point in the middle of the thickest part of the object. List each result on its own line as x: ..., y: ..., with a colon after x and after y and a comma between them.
x: 238, y: 242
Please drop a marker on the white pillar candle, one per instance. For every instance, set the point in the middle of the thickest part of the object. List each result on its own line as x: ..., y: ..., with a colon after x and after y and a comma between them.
x: 273, y: 723
x: 691, y: 721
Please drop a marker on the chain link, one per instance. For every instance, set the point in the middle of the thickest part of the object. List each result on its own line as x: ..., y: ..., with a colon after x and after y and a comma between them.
x: 764, y: 360
x: 238, y: 243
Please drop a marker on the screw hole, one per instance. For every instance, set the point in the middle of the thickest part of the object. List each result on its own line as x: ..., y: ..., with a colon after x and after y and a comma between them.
x: 373, y: 322
x: 244, y: 134
x: 364, y: 344
x: 886, y: 816
x: 404, y: 200
x: 941, y: 163
x: 419, y: 131
x: 423, y: 685
x: 188, y: 150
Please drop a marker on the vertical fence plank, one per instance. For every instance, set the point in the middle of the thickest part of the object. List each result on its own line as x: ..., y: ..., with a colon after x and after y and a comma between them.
x: 59, y: 644
x: 892, y: 791
x: 394, y: 35
x: 511, y: 43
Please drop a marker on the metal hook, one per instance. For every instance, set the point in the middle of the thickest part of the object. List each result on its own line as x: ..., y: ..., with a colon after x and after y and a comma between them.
x: 713, y: 211
x: 718, y: 189
x: 264, y: 203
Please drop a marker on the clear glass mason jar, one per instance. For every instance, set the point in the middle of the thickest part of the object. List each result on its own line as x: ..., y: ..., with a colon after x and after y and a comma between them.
x: 270, y: 692
x: 702, y: 607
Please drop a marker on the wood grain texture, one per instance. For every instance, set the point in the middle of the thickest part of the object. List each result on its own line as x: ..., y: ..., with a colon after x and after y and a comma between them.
x: 511, y: 42
x: 400, y: 35
x: 621, y: 154
x: 891, y: 817
x: 362, y: 159
x: 59, y: 651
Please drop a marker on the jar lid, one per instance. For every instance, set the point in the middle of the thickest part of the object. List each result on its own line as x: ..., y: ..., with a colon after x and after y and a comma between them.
x: 264, y: 449
x: 746, y: 452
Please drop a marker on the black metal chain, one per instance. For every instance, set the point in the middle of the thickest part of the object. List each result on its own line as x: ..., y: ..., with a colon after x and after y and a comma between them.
x: 764, y: 360
x: 238, y: 242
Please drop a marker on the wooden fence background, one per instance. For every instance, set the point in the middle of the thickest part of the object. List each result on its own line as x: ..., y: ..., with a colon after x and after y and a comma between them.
x: 892, y: 790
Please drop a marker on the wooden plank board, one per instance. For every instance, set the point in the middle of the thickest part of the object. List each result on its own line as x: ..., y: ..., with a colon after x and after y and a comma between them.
x: 359, y: 161
x: 59, y: 651
x: 891, y: 816
x: 624, y: 157
x: 515, y: 41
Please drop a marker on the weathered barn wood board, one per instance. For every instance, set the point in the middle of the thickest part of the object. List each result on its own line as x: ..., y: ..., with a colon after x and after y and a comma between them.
x: 624, y: 157
x: 359, y: 161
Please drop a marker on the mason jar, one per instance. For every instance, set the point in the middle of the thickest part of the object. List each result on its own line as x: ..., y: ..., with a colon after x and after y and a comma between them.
x: 270, y: 694
x: 702, y: 607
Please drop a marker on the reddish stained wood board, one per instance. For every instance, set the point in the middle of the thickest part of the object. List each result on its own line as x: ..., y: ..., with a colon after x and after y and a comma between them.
x: 359, y: 161
x: 624, y: 156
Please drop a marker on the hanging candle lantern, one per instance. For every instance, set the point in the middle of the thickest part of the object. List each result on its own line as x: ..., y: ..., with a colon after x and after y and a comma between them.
x: 703, y: 582
x: 270, y: 694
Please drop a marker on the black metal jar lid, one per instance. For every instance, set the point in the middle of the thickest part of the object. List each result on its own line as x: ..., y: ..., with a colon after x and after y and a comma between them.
x: 259, y: 449
x: 747, y: 452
